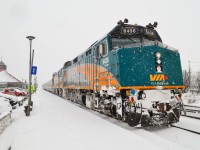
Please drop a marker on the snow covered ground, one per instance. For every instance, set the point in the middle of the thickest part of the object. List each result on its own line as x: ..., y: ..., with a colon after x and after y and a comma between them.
x: 56, y: 123
x: 192, y: 99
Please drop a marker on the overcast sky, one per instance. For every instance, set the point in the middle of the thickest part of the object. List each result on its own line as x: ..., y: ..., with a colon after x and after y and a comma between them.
x: 65, y: 28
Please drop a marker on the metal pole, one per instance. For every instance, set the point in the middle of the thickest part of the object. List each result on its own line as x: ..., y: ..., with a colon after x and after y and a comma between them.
x: 30, y: 82
x: 189, y: 75
x: 32, y: 57
x: 31, y: 103
x: 31, y: 66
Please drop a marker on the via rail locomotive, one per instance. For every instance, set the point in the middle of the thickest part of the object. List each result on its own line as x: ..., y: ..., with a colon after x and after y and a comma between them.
x: 129, y: 74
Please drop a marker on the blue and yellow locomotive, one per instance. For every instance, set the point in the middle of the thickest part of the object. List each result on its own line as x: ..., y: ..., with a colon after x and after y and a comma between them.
x: 129, y: 74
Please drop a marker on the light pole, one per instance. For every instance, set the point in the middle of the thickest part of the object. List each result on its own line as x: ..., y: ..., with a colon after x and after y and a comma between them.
x: 27, y: 110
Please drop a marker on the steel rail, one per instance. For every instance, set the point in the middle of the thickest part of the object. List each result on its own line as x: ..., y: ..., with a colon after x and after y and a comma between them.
x: 186, y: 129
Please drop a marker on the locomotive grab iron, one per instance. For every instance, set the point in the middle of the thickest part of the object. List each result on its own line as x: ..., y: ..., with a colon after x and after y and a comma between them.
x: 129, y: 74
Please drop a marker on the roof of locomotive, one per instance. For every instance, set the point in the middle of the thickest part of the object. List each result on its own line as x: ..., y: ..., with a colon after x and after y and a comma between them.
x: 129, y: 31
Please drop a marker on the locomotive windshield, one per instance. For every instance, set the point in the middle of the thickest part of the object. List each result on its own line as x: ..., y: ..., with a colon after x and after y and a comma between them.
x: 124, y: 43
x: 127, y: 42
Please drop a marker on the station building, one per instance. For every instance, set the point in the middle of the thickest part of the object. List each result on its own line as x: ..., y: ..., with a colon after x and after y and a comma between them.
x: 6, y: 79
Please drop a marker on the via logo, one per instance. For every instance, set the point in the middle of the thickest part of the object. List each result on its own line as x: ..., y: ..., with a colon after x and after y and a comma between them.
x: 158, y: 77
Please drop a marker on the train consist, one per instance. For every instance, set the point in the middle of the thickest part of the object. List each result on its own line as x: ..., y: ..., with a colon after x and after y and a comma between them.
x: 129, y: 74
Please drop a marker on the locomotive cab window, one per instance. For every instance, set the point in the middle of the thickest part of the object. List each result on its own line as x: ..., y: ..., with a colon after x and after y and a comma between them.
x: 75, y: 60
x: 124, y: 42
x: 88, y: 52
x: 102, y: 48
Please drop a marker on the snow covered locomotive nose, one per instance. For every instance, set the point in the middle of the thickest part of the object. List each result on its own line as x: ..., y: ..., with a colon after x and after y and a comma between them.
x: 157, y: 107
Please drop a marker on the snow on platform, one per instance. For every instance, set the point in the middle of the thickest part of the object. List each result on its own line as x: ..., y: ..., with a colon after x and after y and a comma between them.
x: 56, y: 123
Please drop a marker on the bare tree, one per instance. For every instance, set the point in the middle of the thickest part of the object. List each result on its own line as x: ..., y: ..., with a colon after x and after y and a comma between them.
x: 186, y: 79
x: 197, y: 81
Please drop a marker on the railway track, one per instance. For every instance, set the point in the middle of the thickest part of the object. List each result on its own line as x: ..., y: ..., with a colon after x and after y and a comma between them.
x: 192, y: 131
x: 191, y: 112
x: 119, y: 123
x: 127, y: 127
x: 189, y: 108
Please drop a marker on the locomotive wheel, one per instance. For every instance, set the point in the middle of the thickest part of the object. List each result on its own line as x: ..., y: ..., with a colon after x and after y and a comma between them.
x: 113, y: 111
x: 124, y: 118
x: 174, y: 116
x: 133, y: 119
x: 171, y: 118
x: 145, y: 121
x: 177, y: 114
x: 119, y: 117
x: 84, y: 99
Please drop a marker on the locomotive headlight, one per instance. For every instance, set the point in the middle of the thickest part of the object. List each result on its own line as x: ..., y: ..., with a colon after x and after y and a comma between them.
x: 158, y: 68
x: 158, y: 61
x: 158, y: 55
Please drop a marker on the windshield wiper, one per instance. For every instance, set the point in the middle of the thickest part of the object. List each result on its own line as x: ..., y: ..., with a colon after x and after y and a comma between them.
x: 131, y: 40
